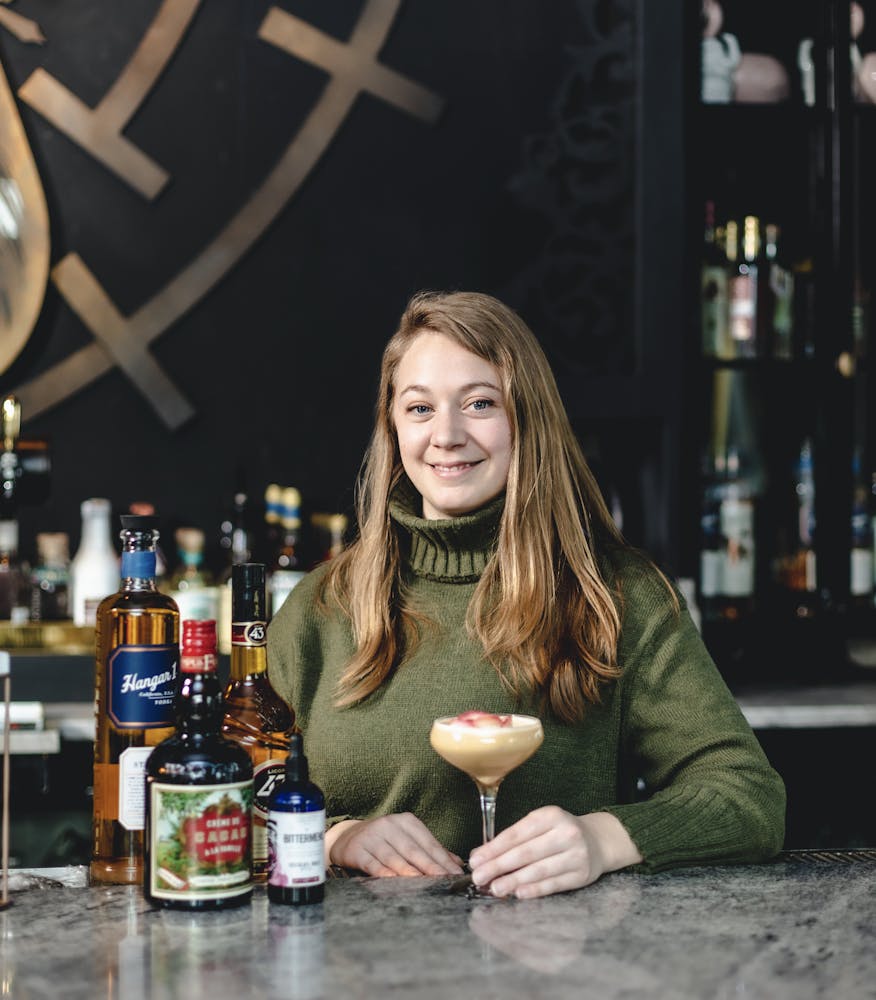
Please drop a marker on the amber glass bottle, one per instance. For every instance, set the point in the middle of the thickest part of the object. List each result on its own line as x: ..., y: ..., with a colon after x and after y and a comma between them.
x: 255, y: 716
x: 136, y: 673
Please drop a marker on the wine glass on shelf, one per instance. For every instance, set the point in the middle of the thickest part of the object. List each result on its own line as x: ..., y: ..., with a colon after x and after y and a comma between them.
x: 487, y: 747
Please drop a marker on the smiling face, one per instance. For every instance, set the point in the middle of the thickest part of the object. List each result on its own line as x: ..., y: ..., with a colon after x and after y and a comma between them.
x: 453, y: 431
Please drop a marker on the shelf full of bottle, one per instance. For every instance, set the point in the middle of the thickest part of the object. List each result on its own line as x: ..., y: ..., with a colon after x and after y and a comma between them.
x: 48, y: 600
x: 757, y: 297
x: 764, y: 382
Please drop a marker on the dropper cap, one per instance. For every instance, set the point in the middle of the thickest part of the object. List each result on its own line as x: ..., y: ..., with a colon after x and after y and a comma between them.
x: 297, y: 768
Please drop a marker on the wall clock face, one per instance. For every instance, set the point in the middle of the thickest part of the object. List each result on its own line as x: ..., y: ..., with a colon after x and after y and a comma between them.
x: 102, y: 130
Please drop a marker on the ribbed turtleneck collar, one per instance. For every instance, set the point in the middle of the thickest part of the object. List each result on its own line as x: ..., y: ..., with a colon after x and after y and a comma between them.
x: 455, y: 550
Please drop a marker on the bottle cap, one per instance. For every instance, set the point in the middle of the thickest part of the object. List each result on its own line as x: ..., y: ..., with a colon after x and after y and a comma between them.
x: 53, y: 546
x: 189, y: 539
x: 139, y: 522
x: 198, y: 648
x: 248, y: 592
x: 297, y: 768
x: 94, y: 506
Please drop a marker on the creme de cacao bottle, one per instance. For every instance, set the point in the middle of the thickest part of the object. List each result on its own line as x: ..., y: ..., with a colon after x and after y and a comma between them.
x: 198, y: 795
x: 136, y: 671
x: 255, y: 715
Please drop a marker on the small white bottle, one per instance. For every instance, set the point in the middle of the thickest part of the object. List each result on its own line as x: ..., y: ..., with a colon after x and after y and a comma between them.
x: 94, y: 571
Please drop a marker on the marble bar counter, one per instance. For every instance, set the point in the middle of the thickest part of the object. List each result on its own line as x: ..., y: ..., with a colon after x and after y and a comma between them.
x: 791, y: 928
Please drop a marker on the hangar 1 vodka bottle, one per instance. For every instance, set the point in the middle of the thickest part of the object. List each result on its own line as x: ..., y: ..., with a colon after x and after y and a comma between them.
x: 137, y: 664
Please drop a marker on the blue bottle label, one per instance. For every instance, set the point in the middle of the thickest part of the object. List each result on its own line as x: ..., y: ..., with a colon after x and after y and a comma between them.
x: 138, y: 565
x: 141, y: 684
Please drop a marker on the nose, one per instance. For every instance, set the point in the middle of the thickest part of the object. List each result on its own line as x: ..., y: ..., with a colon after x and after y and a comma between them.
x: 447, y: 429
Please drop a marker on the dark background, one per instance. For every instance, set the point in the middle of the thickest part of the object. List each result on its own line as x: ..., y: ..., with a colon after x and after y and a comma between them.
x: 525, y: 187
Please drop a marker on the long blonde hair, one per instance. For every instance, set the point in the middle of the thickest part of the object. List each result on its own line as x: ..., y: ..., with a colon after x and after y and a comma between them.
x: 546, y: 618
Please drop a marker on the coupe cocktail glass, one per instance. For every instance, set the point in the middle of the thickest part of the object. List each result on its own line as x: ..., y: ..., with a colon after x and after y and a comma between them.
x: 487, y: 747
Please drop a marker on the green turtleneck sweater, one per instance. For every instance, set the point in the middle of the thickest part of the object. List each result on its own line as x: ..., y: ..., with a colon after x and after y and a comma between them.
x: 668, y: 721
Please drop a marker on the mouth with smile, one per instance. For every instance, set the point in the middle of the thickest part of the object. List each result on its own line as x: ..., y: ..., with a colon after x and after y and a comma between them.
x: 450, y: 469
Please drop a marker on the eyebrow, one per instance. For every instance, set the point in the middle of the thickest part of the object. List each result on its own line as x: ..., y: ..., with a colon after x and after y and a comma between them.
x: 468, y: 387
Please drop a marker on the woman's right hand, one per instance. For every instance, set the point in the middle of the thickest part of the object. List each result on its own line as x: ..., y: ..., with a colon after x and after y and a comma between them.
x: 398, y: 844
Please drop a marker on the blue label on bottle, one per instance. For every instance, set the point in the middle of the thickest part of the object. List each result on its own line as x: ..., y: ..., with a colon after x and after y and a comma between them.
x: 138, y: 565
x: 141, y: 684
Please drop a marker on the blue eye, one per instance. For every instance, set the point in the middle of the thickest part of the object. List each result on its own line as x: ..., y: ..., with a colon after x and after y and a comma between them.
x: 482, y: 404
x: 420, y: 409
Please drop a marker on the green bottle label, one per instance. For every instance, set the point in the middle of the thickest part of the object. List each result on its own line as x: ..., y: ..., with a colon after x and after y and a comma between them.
x: 200, y: 840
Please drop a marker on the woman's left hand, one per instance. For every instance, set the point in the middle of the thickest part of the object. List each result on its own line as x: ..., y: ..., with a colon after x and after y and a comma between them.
x: 550, y: 850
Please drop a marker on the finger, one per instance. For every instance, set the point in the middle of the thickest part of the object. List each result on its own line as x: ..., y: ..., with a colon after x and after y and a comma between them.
x: 389, y: 842
x: 547, y: 845
x: 567, y: 869
x: 432, y: 857
x: 428, y: 858
x: 547, y: 887
x: 534, y: 874
x: 373, y: 865
x: 532, y: 825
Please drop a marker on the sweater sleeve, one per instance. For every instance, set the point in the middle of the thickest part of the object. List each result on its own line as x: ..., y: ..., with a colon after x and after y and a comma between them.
x: 713, y: 796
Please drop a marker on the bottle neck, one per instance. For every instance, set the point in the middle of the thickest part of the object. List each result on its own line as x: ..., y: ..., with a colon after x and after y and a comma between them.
x: 199, y: 707
x: 138, y: 570
x: 248, y: 661
x: 96, y: 532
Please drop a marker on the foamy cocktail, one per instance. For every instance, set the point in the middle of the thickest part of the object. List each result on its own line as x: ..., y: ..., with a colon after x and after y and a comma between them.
x: 487, y: 747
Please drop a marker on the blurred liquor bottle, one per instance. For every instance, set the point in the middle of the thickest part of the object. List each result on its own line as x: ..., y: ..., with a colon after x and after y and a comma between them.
x: 94, y: 571
x: 255, y: 716
x: 273, y: 526
x: 861, y: 557
x: 191, y: 585
x: 14, y: 599
x: 329, y: 535
x: 738, y: 541
x: 714, y: 301
x: 733, y: 475
x: 136, y: 669
x: 796, y: 568
x: 743, y: 288
x: 287, y: 566
x: 779, y: 296
x: 25, y: 463
x: 50, y: 578
x: 237, y: 543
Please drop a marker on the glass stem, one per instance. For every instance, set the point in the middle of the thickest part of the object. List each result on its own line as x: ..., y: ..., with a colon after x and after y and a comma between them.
x: 488, y: 812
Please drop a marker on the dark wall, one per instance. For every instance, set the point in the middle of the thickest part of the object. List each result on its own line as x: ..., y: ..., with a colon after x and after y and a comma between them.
x: 523, y: 186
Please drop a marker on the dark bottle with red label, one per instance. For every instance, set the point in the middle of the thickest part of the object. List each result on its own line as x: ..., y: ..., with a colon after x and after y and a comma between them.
x: 255, y: 716
x: 136, y: 674
x: 198, y: 838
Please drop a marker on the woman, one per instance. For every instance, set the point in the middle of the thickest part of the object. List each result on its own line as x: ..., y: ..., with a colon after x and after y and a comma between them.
x: 488, y: 574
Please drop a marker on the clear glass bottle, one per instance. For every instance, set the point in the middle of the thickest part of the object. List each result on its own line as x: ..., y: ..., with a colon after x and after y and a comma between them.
x: 287, y: 568
x: 296, y: 834
x: 50, y: 578
x: 198, y: 795
x: 13, y: 579
x: 94, y: 572
x: 743, y: 292
x: 136, y: 671
x: 255, y: 715
x: 191, y: 585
